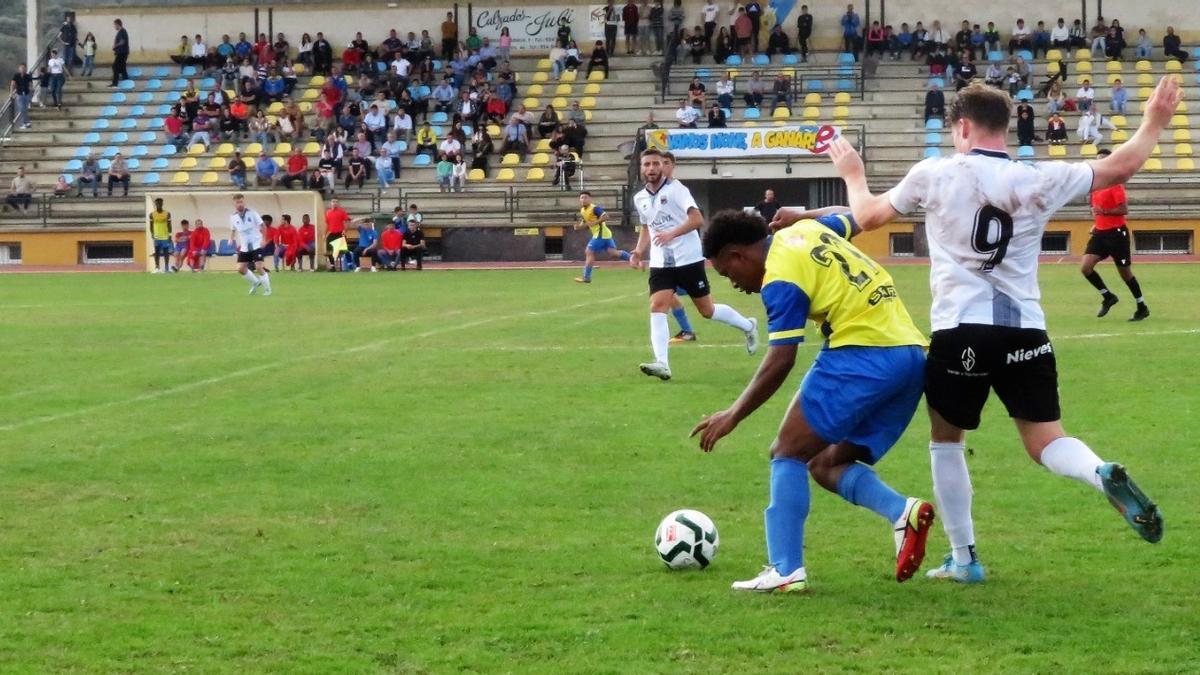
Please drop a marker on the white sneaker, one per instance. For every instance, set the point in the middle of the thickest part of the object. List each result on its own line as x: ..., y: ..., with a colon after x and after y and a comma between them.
x: 770, y: 581
x: 752, y: 337
x: 254, y: 287
x: 156, y: 271
x: 266, y: 291
x: 657, y: 369
x: 374, y: 269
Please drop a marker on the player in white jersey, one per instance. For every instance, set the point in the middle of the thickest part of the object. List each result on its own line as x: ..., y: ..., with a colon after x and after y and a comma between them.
x: 670, y: 230
x: 246, y: 231
x: 984, y: 218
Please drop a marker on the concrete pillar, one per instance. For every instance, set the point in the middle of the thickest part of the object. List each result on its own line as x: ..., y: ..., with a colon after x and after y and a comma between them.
x: 32, y: 48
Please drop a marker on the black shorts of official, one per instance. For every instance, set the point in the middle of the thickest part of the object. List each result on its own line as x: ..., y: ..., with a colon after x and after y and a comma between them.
x: 691, y: 278
x: 250, y: 257
x: 266, y: 251
x: 968, y: 361
x: 1113, y: 244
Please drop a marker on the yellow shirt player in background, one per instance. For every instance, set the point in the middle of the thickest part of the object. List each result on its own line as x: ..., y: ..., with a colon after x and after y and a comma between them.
x: 160, y: 232
x: 595, y: 218
x: 857, y: 398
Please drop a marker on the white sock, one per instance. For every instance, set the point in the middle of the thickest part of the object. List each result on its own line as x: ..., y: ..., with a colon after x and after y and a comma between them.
x: 728, y: 315
x: 659, y: 335
x: 1072, y: 458
x: 265, y: 279
x: 249, y: 276
x: 952, y: 488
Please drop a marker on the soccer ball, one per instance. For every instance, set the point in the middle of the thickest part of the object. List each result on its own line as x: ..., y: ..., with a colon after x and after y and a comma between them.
x: 686, y: 539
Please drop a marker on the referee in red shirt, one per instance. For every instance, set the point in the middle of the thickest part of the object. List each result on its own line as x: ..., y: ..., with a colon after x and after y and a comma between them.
x: 1110, y: 238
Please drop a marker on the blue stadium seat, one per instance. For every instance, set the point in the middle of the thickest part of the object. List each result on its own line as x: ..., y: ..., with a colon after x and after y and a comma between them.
x: 154, y: 84
x: 135, y: 72
x: 733, y: 60
x: 188, y: 71
x: 845, y: 58
x: 751, y: 114
x: 161, y: 71
x: 151, y: 179
x: 422, y: 160
x: 437, y: 64
x: 424, y: 92
x: 1025, y: 54
x: 133, y: 163
x: 100, y: 124
x: 226, y: 248
x: 139, y: 151
x: 934, y: 124
x: 790, y: 59
x: 110, y: 151
x: 932, y: 152
x: 996, y: 56
x: 166, y: 150
x: 439, y: 118
x: 128, y: 124
x: 208, y: 83
x: 145, y: 97
x: 109, y: 111
x: 104, y: 163
x: 814, y: 85
x: 844, y: 85
x: 156, y: 123
x: 703, y: 73
x: 728, y: 113
x: 163, y: 110
x: 1196, y: 52
x: 404, y: 145
x: 1026, y: 151
x: 170, y: 96
x: 1025, y: 95
x: 74, y: 165
x: 380, y: 66
x: 179, y: 83
x: 116, y: 97
x: 935, y: 80
x: 762, y: 60
x: 119, y: 137
x: 160, y: 163
x: 438, y: 131
x: 127, y: 85
x: 845, y: 71
x: 147, y: 137
x: 91, y: 137
x: 137, y: 111
x: 82, y: 151
x: 933, y: 138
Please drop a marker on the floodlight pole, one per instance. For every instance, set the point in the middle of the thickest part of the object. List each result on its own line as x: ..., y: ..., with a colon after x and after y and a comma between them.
x: 32, y: 49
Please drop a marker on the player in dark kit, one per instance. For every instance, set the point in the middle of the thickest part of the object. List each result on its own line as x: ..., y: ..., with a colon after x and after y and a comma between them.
x: 1110, y: 239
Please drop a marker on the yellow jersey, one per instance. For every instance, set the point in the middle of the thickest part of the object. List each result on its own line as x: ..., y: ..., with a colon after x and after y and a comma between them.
x: 590, y: 215
x: 814, y: 272
x: 159, y: 224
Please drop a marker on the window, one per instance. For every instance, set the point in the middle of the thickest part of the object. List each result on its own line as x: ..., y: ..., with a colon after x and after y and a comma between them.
x: 1178, y: 242
x: 554, y: 248
x: 902, y: 245
x: 106, y: 252
x: 1056, y: 243
x: 10, y: 253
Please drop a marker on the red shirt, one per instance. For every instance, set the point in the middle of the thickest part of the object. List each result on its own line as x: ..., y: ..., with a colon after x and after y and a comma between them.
x: 391, y: 240
x: 174, y: 125
x: 1109, y: 198
x: 272, y: 233
x: 307, y: 234
x: 297, y: 164
x: 286, y: 235
x: 335, y: 220
x: 200, y: 239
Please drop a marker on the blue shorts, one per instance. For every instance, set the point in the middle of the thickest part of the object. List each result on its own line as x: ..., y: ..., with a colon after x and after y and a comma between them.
x: 599, y: 245
x: 163, y: 246
x: 864, y: 395
x: 181, y: 247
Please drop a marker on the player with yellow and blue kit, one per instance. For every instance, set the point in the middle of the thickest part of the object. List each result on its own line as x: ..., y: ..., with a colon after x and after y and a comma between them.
x: 595, y: 218
x: 855, y: 401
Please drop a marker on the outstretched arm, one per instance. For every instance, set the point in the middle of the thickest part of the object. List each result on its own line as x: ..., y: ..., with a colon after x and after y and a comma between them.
x: 786, y: 217
x: 1129, y: 158
x: 870, y: 211
x: 771, y: 374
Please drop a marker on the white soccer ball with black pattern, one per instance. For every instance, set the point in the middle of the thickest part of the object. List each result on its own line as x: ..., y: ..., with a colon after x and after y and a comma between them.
x: 687, y: 539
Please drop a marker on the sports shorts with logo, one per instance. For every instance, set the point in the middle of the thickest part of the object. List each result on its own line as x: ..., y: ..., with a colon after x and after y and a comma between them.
x: 1112, y: 243
x: 690, y: 278
x: 969, y: 360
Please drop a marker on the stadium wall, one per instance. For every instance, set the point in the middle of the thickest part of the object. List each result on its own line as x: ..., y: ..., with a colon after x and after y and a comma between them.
x: 64, y: 246
x: 154, y: 31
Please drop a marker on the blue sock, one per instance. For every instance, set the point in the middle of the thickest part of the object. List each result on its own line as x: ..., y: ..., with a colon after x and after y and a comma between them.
x: 784, y: 517
x: 860, y: 485
x: 682, y: 318
x: 587, y: 272
x: 625, y: 256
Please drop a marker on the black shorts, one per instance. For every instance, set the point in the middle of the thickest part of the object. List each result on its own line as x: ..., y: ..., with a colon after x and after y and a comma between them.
x: 254, y: 256
x: 267, y: 251
x: 690, y: 278
x: 967, y: 361
x: 1111, y: 243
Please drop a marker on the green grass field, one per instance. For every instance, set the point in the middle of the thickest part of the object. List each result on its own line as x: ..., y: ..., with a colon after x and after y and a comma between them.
x: 462, y: 471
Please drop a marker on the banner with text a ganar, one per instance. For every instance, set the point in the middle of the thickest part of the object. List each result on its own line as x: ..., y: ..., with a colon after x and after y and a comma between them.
x: 802, y: 139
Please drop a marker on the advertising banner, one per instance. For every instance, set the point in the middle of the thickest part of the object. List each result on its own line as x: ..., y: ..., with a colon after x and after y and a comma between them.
x: 534, y: 28
x: 802, y: 139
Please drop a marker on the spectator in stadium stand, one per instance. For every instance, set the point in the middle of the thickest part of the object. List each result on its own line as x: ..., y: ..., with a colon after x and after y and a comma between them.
x: 938, y: 37
x: 1118, y: 96
x: 1114, y: 42
x: 1056, y: 130
x: 451, y: 147
x: 962, y: 39
x: 686, y: 115
x: 295, y: 170
x: 676, y: 15
x: 449, y: 36
x: 754, y: 11
x: 1060, y: 35
x: 575, y: 112
x: 89, y: 174
x: 1171, y: 46
x: 322, y: 55
x: 458, y: 174
x: 725, y: 92
x: 935, y: 103
x: 920, y: 42
x: 548, y: 122
x: 742, y: 32
x: 414, y: 241
x: 657, y: 24
x: 1144, y: 47
x: 804, y: 25
x: 198, y: 244
x: 1022, y: 37
x: 696, y: 92
x: 118, y: 173
x: 516, y: 138
x: 1013, y: 81
x: 304, y: 51
x: 68, y: 39
x: 120, y: 53
x: 965, y: 73
x: 443, y: 171
x: 266, y: 171
x: 575, y: 133
x: 1078, y: 34
x: 876, y: 44
x: 937, y: 62
x: 768, y: 206
x: 696, y: 45
x: 356, y: 169
x: 20, y: 190
x: 1085, y: 95
x: 777, y: 42
x: 89, y: 54
x: 1098, y: 35
x: 482, y: 149
x: 426, y: 139
x: 851, y: 26
x: 1023, y: 70
x: 237, y: 171
x: 1025, y: 131
x: 781, y: 91
x: 1041, y: 39
x: 630, y: 15
x: 755, y: 89
x: 716, y: 117
x: 598, y: 59
x: 994, y: 76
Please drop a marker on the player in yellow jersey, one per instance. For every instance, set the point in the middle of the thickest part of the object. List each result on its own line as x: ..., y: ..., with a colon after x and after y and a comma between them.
x: 160, y: 232
x: 855, y: 401
x: 595, y: 218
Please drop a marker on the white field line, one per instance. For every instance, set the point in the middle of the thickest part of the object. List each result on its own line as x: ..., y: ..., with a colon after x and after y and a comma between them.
x: 253, y: 370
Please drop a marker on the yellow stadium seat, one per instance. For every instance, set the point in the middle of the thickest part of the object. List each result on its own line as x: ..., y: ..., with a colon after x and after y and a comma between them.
x: 230, y: 94
x: 1175, y: 76
x: 197, y: 149
x: 587, y: 115
x: 841, y: 112
x: 1083, y: 77
x: 476, y: 174
x: 596, y: 76
x: 1145, y: 79
x: 780, y: 123
x: 1120, y: 136
x: 1156, y: 151
x: 299, y: 68
x: 587, y: 102
x: 1173, y: 66
x: 1113, y: 78
x: 188, y: 163
x: 811, y: 113
x: 225, y: 149
x: 812, y: 98
x: 348, y: 78
x: 253, y: 148
x: 278, y: 161
x: 180, y: 178
x: 1054, y: 55
x: 310, y: 95
x: 1185, y: 164
x: 1182, y: 135
x: 284, y: 148
x: 306, y: 106
x: 536, y: 173
x: 317, y: 81
x: 272, y: 119
x: 541, y: 159
x: 1119, y: 121
x: 541, y: 77
x: 218, y: 163
x: 1144, y: 92
x: 1052, y: 68
x: 559, y: 103
x: 543, y: 145
x: 568, y: 76
x: 1058, y: 151
x: 1182, y: 107
x: 591, y: 89
x: 1083, y: 67
x: 1088, y: 150
x: 210, y: 178
x: 562, y: 90
x: 749, y: 123
x: 1178, y: 121
x: 1083, y: 54
x: 1113, y: 66
x: 732, y: 73
x: 532, y: 103
x: 841, y: 98
x: 1152, y: 164
x: 544, y: 64
x: 1183, y: 149
x: 311, y: 148
x: 535, y: 90
x: 493, y: 130
x: 276, y: 107
x: 506, y: 174
x: 1143, y: 66
x: 511, y: 159
x: 782, y: 113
